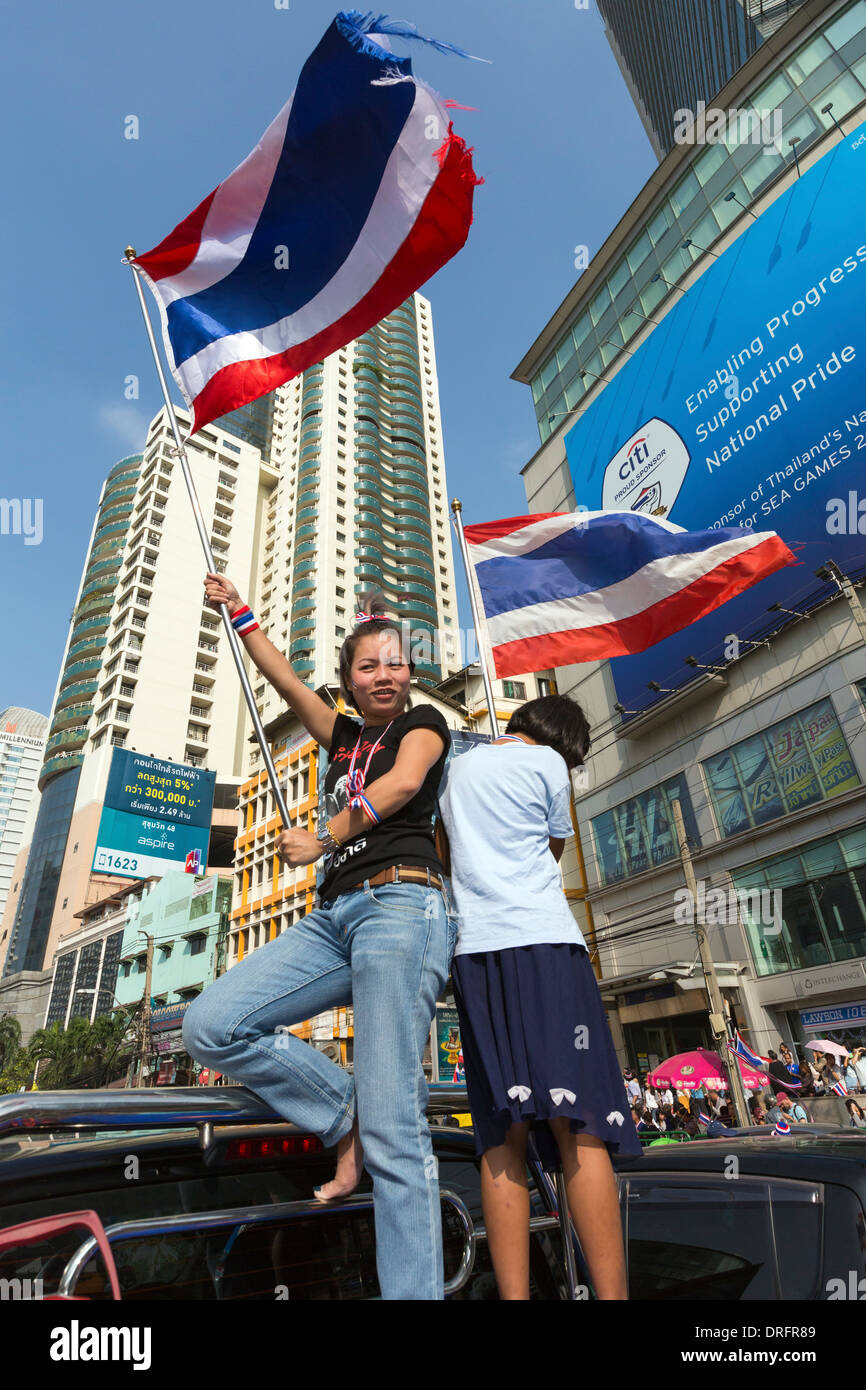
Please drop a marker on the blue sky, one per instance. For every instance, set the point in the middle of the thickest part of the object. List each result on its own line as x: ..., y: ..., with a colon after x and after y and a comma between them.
x: 556, y: 139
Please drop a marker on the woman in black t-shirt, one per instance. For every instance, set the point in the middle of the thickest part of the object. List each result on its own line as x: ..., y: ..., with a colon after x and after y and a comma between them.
x: 379, y: 939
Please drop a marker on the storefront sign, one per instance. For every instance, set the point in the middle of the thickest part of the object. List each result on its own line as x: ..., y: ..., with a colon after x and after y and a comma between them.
x: 842, y: 1016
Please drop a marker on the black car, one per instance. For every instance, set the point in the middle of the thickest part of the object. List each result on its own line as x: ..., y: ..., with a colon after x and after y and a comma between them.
x: 205, y: 1195
x: 747, y: 1216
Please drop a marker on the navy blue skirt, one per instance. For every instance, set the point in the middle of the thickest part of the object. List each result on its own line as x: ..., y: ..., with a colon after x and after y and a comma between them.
x: 536, y: 1045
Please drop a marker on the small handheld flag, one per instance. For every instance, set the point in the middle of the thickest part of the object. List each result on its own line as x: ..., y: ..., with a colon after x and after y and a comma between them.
x: 839, y: 1088
x: 355, y: 195
x: 565, y: 587
x: 703, y: 1117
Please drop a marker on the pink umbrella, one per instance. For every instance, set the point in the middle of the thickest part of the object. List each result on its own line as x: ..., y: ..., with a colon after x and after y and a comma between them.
x: 688, y: 1070
x: 823, y: 1045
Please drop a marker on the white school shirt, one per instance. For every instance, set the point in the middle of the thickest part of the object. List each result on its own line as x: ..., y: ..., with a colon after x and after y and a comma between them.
x: 500, y: 805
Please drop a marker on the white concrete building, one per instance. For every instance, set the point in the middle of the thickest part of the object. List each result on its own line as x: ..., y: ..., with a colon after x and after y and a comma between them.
x: 22, y: 744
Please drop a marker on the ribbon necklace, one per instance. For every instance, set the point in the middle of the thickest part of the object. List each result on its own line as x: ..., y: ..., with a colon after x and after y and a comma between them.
x: 512, y: 738
x: 355, y: 780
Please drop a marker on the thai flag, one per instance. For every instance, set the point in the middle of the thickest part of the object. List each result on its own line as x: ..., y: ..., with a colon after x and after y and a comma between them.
x: 704, y: 1119
x: 742, y: 1050
x: 355, y: 195
x: 840, y: 1088
x: 566, y: 587
x: 782, y: 1127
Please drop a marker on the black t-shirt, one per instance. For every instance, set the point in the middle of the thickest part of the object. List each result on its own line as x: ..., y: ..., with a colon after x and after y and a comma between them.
x: 406, y: 837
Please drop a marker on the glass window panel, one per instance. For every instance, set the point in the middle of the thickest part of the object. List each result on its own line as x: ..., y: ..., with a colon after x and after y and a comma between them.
x: 854, y: 846
x: 805, y: 126
x: 548, y: 372
x: 766, y: 164
x: 807, y: 59
x: 599, y: 304
x: 687, y: 189
x: 859, y: 71
x: 638, y: 253
x: 593, y: 368
x: 660, y: 223
x: 728, y: 211
x: 829, y: 750
x: 609, y: 350
x: 761, y: 787
x: 712, y: 159
x: 840, y: 904
x: 537, y: 389
x: 632, y: 838
x: 847, y: 25
x: 619, y: 277
x: 821, y: 78
x: 565, y: 353
x: 704, y: 233
x: 773, y: 93
x: 845, y: 94
x: 790, y: 759
x: 581, y: 331
x: 651, y: 296
x: 608, y: 848
x: 807, y: 943
x: 574, y: 392
x: 726, y: 794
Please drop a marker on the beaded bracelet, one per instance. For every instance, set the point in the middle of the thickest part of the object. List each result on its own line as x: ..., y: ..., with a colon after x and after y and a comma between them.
x: 243, y: 621
x: 361, y: 802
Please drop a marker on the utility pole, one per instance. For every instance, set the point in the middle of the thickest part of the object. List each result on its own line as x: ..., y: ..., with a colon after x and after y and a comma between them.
x: 144, y: 1036
x: 831, y: 572
x: 718, y: 1022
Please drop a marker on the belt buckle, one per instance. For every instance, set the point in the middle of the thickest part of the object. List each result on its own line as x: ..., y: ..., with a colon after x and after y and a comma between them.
x: 396, y: 878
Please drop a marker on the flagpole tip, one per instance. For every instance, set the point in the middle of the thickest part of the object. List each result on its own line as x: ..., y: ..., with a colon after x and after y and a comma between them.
x: 130, y: 252
x: 456, y: 505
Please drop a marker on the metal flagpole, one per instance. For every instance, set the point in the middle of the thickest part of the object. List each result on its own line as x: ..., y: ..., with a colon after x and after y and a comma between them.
x: 457, y: 511
x: 558, y: 1177
x: 233, y: 639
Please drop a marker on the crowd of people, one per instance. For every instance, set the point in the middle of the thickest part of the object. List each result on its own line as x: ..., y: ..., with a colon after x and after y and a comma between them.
x: 663, y: 1110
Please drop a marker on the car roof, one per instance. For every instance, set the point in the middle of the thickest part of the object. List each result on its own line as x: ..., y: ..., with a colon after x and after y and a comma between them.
x: 810, y: 1157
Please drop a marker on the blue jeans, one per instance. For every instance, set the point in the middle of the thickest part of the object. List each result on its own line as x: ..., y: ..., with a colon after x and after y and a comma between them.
x: 385, y: 950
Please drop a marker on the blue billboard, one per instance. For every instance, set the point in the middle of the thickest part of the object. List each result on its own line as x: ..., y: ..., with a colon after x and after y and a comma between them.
x: 156, y: 817
x: 746, y: 406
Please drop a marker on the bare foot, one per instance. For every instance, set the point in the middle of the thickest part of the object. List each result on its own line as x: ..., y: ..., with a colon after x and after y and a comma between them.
x: 350, y: 1166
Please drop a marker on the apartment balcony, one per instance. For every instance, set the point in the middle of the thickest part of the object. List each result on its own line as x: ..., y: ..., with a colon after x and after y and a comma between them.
x: 306, y: 548
x: 121, y: 716
x: 71, y: 715
x: 201, y: 689
x: 194, y: 759
x: 93, y: 643
x: 70, y: 739
x: 81, y: 668
x: 63, y: 762
x: 302, y: 646
x: 199, y: 712
x: 205, y: 666
x: 127, y: 691
x: 304, y: 667
x: 196, y: 735
x: 303, y: 605
x: 205, y: 646
x: 74, y: 693
x: 306, y: 530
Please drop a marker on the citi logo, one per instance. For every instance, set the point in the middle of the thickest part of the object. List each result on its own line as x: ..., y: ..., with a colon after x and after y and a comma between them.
x: 638, y: 453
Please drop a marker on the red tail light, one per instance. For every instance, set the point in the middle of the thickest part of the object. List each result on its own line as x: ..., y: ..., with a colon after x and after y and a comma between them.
x: 275, y: 1147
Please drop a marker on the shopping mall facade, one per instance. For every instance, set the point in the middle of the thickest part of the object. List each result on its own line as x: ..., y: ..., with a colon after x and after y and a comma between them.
x: 718, y: 741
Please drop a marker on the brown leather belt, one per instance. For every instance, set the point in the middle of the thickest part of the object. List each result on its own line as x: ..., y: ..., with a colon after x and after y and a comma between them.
x: 398, y: 874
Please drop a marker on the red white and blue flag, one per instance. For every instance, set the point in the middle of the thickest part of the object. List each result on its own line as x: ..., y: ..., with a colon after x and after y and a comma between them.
x: 355, y: 195
x: 839, y: 1088
x: 564, y: 587
x: 782, y: 1127
x: 742, y: 1050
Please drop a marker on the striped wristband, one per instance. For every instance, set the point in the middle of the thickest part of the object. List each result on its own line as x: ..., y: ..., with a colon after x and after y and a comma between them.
x: 361, y: 802
x: 243, y: 620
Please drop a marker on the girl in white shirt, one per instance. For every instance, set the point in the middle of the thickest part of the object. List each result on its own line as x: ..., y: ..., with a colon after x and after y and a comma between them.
x: 536, y: 1044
